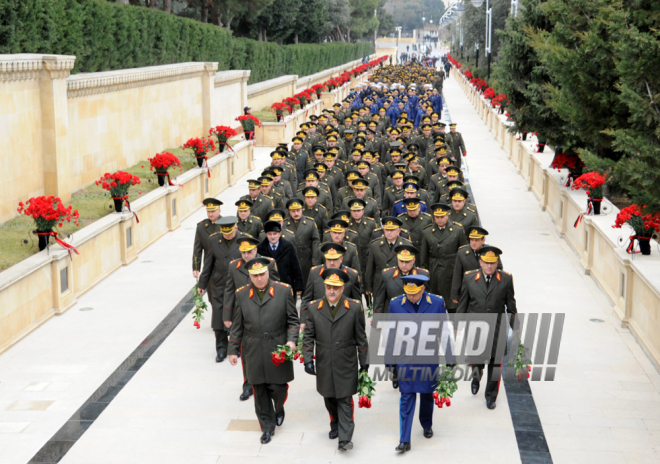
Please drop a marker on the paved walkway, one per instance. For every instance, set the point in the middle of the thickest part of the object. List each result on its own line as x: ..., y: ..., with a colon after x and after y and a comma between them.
x: 182, y: 407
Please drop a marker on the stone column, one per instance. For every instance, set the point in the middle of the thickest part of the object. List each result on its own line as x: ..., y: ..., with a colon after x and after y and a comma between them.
x: 208, y: 86
x: 55, y: 125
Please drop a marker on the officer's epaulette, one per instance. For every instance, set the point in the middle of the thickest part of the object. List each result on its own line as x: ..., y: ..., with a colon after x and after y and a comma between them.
x: 316, y: 267
x: 272, y: 260
x: 371, y: 219
x: 472, y: 271
x: 462, y: 246
x: 281, y: 284
x: 458, y: 224
x: 249, y: 235
x: 214, y: 233
x: 203, y: 221
x: 354, y: 231
x: 321, y: 206
x: 403, y: 214
x: 314, y: 303
x: 233, y: 261
x: 507, y: 273
x: 378, y: 229
x: 353, y: 301
x: 426, y: 214
x: 289, y: 230
x: 427, y: 226
x: 470, y: 209
x: 242, y: 288
x: 350, y: 270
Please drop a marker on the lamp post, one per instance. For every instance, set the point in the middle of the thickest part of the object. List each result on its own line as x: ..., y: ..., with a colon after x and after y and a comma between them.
x: 476, y: 49
x: 398, y: 33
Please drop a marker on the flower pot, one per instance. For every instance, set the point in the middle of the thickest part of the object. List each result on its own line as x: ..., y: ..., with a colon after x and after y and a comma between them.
x: 200, y: 160
x: 222, y: 144
x: 596, y: 202
x: 524, y: 135
x: 43, y: 239
x: 644, y: 245
x: 279, y: 118
x: 161, y: 178
x: 541, y: 147
x: 118, y: 204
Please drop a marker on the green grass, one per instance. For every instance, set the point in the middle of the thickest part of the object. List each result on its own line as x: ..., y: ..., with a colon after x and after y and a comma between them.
x: 265, y: 115
x: 92, y: 202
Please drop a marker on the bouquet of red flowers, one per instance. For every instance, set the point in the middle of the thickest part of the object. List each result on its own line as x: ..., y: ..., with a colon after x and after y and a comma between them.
x: 248, y: 117
x: 284, y: 353
x: 318, y: 88
x: 331, y: 84
x: 569, y: 161
x: 118, y: 183
x: 48, y: 212
x: 445, y: 388
x: 467, y: 74
x: 479, y: 83
x: 643, y: 224
x: 499, y: 101
x: 201, y: 146
x: 366, y: 389
x: 279, y: 108
x: 223, y: 133
x: 592, y: 182
x: 489, y: 93
x: 302, y: 99
x: 161, y: 163
x: 292, y: 102
x: 520, y: 365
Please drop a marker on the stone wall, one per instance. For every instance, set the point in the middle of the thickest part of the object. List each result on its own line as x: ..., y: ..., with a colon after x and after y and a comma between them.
x: 631, y: 281
x: 62, y: 132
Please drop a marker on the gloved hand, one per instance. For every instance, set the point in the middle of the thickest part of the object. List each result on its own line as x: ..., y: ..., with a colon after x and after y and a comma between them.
x: 309, y: 368
x: 464, y: 153
x: 365, y: 368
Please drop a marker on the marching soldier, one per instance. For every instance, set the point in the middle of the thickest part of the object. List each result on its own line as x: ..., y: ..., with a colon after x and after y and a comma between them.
x: 315, y: 289
x: 261, y: 204
x: 382, y: 254
x: 467, y: 259
x: 365, y: 227
x: 335, y: 331
x: 237, y: 278
x: 391, y: 285
x: 415, y: 221
x: 313, y: 209
x: 360, y: 191
x: 281, y: 186
x: 416, y: 300
x: 488, y: 291
x: 337, y: 235
x: 440, y: 244
x: 278, y: 215
x: 393, y: 193
x: 324, y: 199
x: 288, y: 174
x: 223, y: 250
x: 205, y: 229
x: 265, y: 317
x: 457, y: 145
x: 267, y: 191
x: 306, y: 237
x: 247, y: 223
x: 349, y: 235
x: 461, y: 214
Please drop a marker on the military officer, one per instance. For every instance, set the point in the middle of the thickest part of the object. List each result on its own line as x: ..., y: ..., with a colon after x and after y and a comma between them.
x: 224, y: 249
x: 265, y: 317
x: 289, y: 174
x: 457, y: 144
x: 283, y: 187
x: 462, y: 214
x: 238, y: 277
x: 314, y: 290
x: 391, y: 284
x: 306, y: 237
x: 490, y: 291
x: 335, y: 334
x: 364, y: 168
x: 278, y: 215
x: 467, y: 259
x: 337, y: 228
x: 409, y: 191
x: 415, y: 221
x: 440, y: 244
x: 324, y: 199
x: 381, y: 253
x: 347, y: 191
x: 313, y: 209
x: 393, y: 193
x: 267, y: 190
x: 365, y: 227
x: 247, y: 223
x: 204, y: 230
x: 416, y: 300
x: 349, y: 235
x: 261, y: 204
x: 360, y: 191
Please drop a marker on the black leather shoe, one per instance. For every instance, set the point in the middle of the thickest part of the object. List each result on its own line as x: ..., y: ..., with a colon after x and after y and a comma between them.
x: 428, y: 433
x: 333, y: 434
x: 490, y: 404
x: 475, y: 386
x: 220, y: 357
x: 345, y: 445
x: 279, y: 418
x: 403, y: 447
x: 266, y: 437
x: 245, y: 395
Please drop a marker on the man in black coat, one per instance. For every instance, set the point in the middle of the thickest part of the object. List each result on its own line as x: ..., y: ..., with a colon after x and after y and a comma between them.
x: 284, y: 253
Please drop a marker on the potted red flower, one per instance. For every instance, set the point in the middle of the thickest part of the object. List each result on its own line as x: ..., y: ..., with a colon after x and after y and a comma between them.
x: 644, y: 225
x: 292, y: 102
x: 319, y: 88
x: 593, y: 183
x: 118, y: 184
x: 569, y: 161
x: 161, y: 163
x: 302, y: 99
x: 223, y: 133
x: 248, y: 122
x: 279, y: 108
x: 201, y: 146
x: 48, y: 212
x: 489, y: 93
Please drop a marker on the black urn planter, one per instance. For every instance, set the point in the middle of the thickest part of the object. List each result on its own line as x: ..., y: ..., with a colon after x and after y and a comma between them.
x: 118, y: 204
x: 644, y: 245
x: 161, y: 178
x: 596, y: 202
x: 541, y: 147
x: 221, y: 146
x: 43, y: 239
x: 279, y: 118
x: 524, y: 135
x: 200, y: 161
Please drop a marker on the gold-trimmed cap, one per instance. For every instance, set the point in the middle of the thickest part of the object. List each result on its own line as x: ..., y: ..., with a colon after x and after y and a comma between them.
x: 294, y: 203
x: 356, y: 204
x: 405, y: 252
x: 248, y: 244
x: 360, y: 184
x: 440, y: 209
x: 458, y: 194
x: 227, y: 224
x: 338, y: 225
x: 334, y: 277
x: 414, y: 283
x: 453, y: 171
x: 254, y: 184
x: 333, y: 250
x: 257, y: 266
x: 243, y: 205
x: 489, y: 254
x: 311, y: 192
x: 391, y: 223
x: 212, y: 204
x: 276, y: 215
x: 477, y: 232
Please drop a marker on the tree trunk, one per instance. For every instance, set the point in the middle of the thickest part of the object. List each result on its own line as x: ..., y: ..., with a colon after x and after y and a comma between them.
x: 168, y: 6
x: 205, y: 11
x: 295, y: 38
x: 155, y: 4
x: 348, y: 34
x: 340, y: 35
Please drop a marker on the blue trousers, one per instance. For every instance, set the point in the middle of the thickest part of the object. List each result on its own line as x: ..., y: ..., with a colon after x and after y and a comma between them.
x: 407, y: 413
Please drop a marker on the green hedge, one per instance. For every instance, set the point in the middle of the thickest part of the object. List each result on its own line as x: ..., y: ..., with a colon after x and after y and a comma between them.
x: 106, y: 36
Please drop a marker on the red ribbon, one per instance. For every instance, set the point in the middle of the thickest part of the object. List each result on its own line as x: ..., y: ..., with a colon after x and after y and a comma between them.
x: 65, y: 245
x: 168, y: 179
x: 588, y: 212
x: 208, y: 168
x: 631, y: 245
x: 128, y: 205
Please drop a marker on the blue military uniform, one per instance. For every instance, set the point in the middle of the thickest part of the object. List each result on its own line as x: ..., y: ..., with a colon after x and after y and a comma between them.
x: 408, y: 385
x: 400, y: 207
